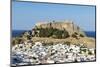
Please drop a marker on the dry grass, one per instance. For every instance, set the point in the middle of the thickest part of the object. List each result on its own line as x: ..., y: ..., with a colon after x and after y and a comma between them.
x: 87, y: 41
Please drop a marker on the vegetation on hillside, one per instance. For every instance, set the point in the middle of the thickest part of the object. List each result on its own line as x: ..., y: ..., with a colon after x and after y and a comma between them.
x: 54, y: 33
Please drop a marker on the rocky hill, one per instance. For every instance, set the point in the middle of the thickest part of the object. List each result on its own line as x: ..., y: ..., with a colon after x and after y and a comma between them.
x: 55, y: 32
x: 68, y: 26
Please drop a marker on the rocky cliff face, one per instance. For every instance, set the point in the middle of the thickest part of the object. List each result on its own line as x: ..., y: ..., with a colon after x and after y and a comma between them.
x: 68, y: 26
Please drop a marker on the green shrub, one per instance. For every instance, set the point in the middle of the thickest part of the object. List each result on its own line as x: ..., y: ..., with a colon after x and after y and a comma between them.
x: 42, y: 33
x: 81, y: 35
x: 89, y: 52
x: 58, y: 33
x: 74, y: 35
x: 50, y: 32
x: 17, y: 40
x: 68, y: 43
x: 65, y: 34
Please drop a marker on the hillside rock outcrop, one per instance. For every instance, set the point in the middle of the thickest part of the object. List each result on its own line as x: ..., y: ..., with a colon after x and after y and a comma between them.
x: 68, y: 26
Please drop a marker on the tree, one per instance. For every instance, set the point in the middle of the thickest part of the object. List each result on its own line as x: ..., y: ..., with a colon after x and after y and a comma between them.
x: 65, y: 34
x: 42, y: 32
x: 17, y: 40
x: 58, y: 33
x: 74, y: 35
x: 81, y: 35
x: 51, y: 32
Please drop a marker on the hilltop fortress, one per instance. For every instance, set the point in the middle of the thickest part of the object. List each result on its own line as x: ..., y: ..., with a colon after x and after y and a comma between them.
x: 63, y: 25
x: 69, y: 26
x: 56, y: 32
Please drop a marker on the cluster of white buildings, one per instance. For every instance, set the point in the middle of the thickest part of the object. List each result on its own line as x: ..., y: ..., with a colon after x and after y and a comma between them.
x: 38, y: 54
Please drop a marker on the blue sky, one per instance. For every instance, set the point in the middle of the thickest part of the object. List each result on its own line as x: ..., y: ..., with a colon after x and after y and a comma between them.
x: 26, y: 14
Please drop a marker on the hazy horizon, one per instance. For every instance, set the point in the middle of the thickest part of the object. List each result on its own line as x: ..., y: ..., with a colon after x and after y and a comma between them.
x: 26, y: 14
